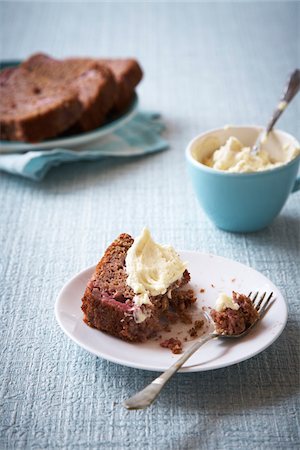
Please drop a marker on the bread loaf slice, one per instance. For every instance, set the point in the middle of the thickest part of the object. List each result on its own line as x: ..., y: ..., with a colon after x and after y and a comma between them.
x: 34, y: 108
x: 93, y: 82
x: 128, y: 73
x: 108, y: 302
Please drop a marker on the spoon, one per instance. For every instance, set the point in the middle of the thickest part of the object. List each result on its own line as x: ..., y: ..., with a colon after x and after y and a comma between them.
x: 292, y: 88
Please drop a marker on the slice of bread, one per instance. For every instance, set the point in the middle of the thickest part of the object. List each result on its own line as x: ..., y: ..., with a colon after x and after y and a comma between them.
x: 108, y: 302
x: 128, y: 74
x: 33, y: 108
x: 94, y: 83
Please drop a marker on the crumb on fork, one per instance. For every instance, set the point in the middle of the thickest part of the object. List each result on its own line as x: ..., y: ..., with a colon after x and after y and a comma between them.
x: 235, y: 321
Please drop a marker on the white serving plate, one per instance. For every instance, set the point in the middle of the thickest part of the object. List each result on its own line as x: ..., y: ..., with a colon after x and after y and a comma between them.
x: 213, y: 273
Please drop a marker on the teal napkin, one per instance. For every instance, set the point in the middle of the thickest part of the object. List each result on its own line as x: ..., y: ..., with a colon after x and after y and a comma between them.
x: 138, y: 137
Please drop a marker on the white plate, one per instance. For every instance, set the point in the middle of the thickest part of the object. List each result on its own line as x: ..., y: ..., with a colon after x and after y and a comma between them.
x: 215, y: 274
x: 72, y: 141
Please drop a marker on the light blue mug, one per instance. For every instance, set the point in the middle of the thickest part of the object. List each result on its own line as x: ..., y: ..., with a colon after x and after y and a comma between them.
x: 242, y: 202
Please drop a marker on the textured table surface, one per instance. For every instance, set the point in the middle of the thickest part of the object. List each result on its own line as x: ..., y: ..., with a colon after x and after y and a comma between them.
x: 206, y: 65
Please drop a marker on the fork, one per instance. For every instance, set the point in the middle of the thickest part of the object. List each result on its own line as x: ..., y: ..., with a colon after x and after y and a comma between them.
x: 146, y: 397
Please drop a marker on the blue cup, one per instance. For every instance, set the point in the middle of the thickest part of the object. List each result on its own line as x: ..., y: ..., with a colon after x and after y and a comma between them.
x: 242, y: 202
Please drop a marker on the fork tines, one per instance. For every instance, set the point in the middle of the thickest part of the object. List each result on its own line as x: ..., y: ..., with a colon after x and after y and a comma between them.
x: 262, y: 305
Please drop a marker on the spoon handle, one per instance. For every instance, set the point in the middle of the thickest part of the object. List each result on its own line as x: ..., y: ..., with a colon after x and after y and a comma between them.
x: 145, y: 397
x: 291, y: 89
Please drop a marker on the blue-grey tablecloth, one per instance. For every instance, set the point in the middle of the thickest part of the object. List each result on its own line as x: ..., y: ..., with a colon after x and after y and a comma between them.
x: 206, y: 65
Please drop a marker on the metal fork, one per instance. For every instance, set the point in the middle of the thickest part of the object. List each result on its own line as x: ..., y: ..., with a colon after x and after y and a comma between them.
x: 145, y: 398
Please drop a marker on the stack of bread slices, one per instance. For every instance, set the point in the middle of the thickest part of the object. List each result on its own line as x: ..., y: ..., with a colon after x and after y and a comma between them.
x: 43, y: 97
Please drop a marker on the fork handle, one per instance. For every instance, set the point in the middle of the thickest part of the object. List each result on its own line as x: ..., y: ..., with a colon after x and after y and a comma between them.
x: 292, y: 88
x: 145, y: 397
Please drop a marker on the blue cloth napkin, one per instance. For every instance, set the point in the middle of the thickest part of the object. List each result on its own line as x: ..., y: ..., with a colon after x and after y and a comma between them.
x: 139, y: 136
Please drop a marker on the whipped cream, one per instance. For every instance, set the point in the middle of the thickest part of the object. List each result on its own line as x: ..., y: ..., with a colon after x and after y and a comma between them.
x: 151, y: 268
x: 223, y: 302
x: 234, y: 157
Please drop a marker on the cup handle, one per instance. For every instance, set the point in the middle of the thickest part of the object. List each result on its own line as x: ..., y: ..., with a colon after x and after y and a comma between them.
x: 296, y: 186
